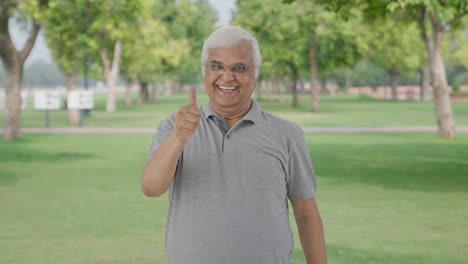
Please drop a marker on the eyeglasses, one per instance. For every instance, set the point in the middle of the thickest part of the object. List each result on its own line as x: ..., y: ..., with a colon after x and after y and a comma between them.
x: 220, y: 68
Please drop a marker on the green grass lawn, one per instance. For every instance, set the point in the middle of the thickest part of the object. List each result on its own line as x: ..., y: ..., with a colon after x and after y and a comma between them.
x: 384, y: 198
x: 335, y: 111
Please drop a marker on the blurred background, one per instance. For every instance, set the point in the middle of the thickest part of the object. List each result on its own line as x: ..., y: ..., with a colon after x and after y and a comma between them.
x: 379, y: 87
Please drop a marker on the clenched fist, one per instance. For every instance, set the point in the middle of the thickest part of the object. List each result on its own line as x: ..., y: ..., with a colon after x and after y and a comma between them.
x: 186, y: 120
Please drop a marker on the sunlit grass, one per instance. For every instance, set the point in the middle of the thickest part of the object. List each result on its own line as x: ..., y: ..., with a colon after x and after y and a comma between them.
x: 384, y: 198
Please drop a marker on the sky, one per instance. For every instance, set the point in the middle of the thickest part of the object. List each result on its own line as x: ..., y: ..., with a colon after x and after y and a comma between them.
x: 41, y: 52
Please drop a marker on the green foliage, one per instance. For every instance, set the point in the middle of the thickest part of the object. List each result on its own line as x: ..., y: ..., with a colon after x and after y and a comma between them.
x: 66, y: 33
x: 73, y: 26
x: 455, y: 52
x: 365, y: 73
x: 341, y: 42
x: 148, y: 45
x: 285, y: 32
x: 459, y: 44
x: 188, y: 22
x: 34, y: 9
x: 444, y: 11
x: 396, y: 47
x: 276, y: 28
x: 110, y: 21
x: 167, y: 41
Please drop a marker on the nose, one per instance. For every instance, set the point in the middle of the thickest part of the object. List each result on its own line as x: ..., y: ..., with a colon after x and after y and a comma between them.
x: 228, y: 75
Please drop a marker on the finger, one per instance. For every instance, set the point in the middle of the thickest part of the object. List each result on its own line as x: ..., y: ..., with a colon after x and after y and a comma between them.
x: 192, y: 111
x: 189, y: 126
x: 191, y: 119
x: 193, y: 96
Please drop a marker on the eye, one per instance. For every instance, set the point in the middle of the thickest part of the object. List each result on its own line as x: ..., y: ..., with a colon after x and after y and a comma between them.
x: 216, y: 67
x: 240, y: 68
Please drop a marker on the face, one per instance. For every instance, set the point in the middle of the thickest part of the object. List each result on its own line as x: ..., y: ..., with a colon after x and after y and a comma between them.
x: 230, y: 90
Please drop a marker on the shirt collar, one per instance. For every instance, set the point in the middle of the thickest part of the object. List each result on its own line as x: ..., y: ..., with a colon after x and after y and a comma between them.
x: 253, y: 115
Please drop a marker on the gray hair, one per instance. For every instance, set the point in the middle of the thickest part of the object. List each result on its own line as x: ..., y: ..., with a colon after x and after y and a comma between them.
x: 228, y: 36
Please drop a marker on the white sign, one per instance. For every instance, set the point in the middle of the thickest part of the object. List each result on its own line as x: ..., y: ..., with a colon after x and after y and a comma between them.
x: 24, y: 99
x: 81, y: 99
x: 47, y: 100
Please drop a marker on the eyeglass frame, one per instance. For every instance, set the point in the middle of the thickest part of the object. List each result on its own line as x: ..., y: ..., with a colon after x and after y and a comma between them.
x: 227, y: 66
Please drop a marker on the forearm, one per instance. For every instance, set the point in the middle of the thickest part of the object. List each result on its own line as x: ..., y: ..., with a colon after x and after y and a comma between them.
x: 160, y: 168
x: 312, y: 239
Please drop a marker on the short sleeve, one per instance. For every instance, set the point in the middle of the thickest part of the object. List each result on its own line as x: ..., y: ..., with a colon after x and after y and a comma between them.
x: 165, y: 128
x: 301, y: 181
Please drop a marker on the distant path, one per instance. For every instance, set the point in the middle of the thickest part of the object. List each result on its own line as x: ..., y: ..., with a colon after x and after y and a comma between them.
x: 143, y: 130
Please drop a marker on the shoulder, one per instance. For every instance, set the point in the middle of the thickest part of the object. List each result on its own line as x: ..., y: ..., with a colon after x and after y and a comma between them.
x: 281, y: 127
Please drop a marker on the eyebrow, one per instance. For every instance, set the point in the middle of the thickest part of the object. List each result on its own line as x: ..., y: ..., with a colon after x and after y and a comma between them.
x: 237, y: 63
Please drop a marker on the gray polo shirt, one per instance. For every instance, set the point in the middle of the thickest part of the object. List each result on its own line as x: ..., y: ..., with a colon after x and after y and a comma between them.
x: 228, y: 199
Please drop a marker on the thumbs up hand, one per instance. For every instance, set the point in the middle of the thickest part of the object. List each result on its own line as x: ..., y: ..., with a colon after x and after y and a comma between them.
x: 187, y: 118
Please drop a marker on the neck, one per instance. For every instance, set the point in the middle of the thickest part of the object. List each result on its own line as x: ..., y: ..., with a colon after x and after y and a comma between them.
x: 233, y: 117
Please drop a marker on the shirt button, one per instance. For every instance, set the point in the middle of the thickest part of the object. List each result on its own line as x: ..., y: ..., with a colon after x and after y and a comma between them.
x: 228, y: 136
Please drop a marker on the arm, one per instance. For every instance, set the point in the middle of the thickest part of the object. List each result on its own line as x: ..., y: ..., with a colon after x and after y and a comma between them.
x: 309, y: 225
x: 159, y: 169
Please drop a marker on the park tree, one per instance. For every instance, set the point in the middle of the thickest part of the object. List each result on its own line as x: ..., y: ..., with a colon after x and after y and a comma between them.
x: 149, y: 49
x: 65, y: 31
x: 277, y: 30
x: 109, y: 24
x: 434, y: 18
x: 304, y: 37
x: 395, y: 47
x: 32, y: 13
x: 192, y: 22
x: 334, y: 43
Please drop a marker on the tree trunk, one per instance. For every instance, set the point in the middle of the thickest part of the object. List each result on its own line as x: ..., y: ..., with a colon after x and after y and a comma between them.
x: 13, y: 61
x: 314, y: 82
x: 293, y: 83
x: 323, y: 86
x: 394, y: 80
x: 73, y: 114
x: 347, y: 79
x: 128, y: 94
x: 424, y: 82
x: 12, y: 111
x: 443, y: 105
x: 111, y: 72
x: 130, y: 82
x: 169, y: 86
x: 269, y: 89
x: 177, y: 86
x: 259, y: 90
x: 281, y: 89
x: 156, y: 92
x: 144, y: 93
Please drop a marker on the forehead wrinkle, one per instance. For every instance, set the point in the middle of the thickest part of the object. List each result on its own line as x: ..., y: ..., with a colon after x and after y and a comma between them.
x: 220, y: 55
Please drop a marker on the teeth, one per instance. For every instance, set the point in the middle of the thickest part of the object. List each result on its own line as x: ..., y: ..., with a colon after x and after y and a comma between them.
x: 227, y: 87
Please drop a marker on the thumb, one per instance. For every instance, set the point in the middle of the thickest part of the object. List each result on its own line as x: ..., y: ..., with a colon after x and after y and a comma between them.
x: 193, y: 96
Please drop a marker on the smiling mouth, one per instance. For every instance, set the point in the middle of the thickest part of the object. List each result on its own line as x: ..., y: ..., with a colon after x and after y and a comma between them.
x: 227, y: 89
